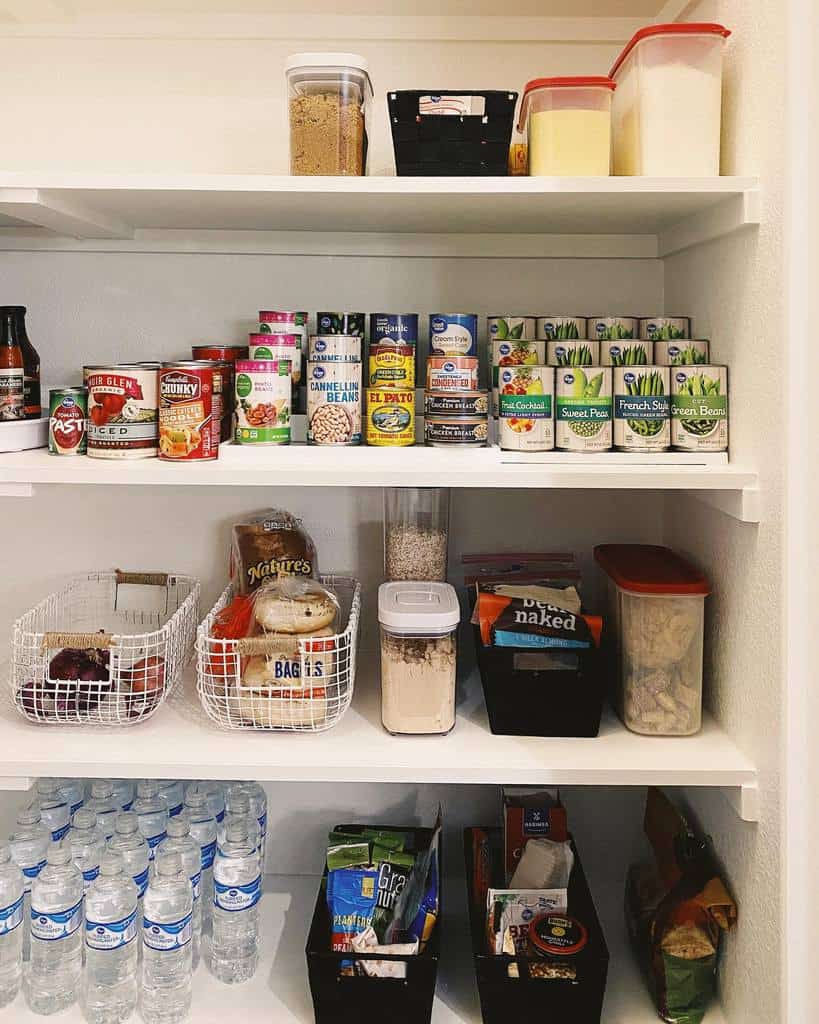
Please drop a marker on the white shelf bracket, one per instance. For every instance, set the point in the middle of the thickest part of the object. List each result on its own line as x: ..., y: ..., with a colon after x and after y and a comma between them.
x: 720, y: 219
x: 43, y: 209
x: 745, y: 800
x: 16, y: 490
x: 744, y: 504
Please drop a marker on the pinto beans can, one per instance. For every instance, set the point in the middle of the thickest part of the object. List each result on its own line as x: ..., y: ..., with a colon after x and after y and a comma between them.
x: 263, y: 395
x: 278, y: 346
x: 123, y: 411
x: 190, y: 411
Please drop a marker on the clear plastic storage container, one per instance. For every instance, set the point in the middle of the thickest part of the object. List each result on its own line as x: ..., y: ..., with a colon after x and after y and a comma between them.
x: 656, y: 614
x: 667, y: 109
x: 329, y: 98
x: 567, y: 122
x: 416, y: 533
x: 419, y: 623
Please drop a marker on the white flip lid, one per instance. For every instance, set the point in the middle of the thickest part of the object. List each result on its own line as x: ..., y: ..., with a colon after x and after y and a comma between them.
x: 418, y: 608
x: 327, y: 60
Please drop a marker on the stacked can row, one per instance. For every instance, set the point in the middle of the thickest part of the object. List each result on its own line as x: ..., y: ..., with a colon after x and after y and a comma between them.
x: 565, y: 327
x: 595, y: 409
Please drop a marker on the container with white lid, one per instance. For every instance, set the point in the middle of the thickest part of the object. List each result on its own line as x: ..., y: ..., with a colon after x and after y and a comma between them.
x: 419, y: 623
x: 568, y: 125
x: 666, y: 115
x: 329, y: 98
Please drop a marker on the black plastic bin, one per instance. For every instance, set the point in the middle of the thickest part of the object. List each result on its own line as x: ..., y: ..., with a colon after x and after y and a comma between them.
x: 524, y: 700
x: 339, y: 999
x: 504, y: 999
x: 443, y: 145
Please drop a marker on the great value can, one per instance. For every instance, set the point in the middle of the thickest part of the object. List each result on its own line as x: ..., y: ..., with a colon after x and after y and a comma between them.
x: 699, y: 408
x: 340, y: 323
x: 613, y: 328
x: 671, y: 328
x: 274, y: 321
x: 263, y: 397
x: 333, y: 403
x: 278, y: 346
x: 641, y: 409
x: 391, y: 366
x: 394, y: 329
x: 453, y: 334
x: 452, y: 373
x: 123, y: 411
x: 190, y: 411
x: 391, y: 417
x: 67, y: 418
x: 526, y: 408
x: 573, y: 353
x: 335, y: 348
x: 583, y: 409
x: 509, y: 327
x: 626, y: 353
x: 561, y: 326
x: 456, y: 431
x: 686, y: 352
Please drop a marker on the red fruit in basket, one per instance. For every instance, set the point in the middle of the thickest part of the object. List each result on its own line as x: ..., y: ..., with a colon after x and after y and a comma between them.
x: 89, y: 665
x: 147, y: 675
x: 36, y: 701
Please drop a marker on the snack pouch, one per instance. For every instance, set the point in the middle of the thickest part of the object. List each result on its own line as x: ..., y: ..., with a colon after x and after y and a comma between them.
x: 351, y: 900
x: 394, y: 870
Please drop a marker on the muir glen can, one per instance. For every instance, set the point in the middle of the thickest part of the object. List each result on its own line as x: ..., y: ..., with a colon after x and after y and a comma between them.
x: 123, y: 411
x: 67, y: 416
x: 190, y: 411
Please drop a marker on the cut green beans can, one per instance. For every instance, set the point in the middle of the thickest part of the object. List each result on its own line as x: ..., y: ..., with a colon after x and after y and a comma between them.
x: 584, y: 352
x: 613, y: 328
x: 641, y: 408
x: 699, y: 408
x: 583, y: 409
x: 626, y: 353
x: 681, y: 353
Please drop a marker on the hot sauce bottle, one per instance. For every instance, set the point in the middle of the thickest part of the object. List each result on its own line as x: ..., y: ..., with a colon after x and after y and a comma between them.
x: 12, y: 403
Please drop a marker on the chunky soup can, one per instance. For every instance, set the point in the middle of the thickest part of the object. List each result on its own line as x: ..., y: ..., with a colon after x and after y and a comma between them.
x: 190, y: 411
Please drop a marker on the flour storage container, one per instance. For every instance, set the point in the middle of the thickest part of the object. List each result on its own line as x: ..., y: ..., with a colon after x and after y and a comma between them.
x: 654, y: 637
x: 329, y: 97
x: 419, y: 623
x: 567, y: 122
x: 666, y: 113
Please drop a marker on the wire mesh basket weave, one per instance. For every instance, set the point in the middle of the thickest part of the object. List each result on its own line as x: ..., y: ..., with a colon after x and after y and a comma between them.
x: 93, y: 654
x: 313, y: 678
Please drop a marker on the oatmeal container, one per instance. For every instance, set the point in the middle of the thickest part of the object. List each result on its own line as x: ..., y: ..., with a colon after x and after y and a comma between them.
x: 626, y: 353
x: 263, y: 395
x: 278, y: 346
x: 329, y: 100
x: 509, y: 327
x: 416, y: 533
x: 573, y: 353
x: 334, y: 348
x: 452, y: 373
x: 681, y: 353
x: 583, y: 410
x: 419, y: 623
x: 699, y: 408
x: 123, y: 411
x: 556, y: 327
x: 526, y: 401
x: 668, y: 328
x: 613, y: 328
x: 641, y: 409
x: 654, y: 637
x: 391, y: 366
x: 333, y: 403
x: 390, y: 417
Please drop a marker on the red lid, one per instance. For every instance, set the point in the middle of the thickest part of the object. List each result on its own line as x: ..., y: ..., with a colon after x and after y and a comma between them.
x: 557, y: 935
x: 649, y: 569
x: 563, y: 82
x: 676, y: 28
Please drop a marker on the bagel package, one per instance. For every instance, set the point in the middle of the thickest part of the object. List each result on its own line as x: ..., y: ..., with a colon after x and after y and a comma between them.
x: 268, y: 546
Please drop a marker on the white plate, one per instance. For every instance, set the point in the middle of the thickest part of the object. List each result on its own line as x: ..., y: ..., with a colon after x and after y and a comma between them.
x: 20, y: 435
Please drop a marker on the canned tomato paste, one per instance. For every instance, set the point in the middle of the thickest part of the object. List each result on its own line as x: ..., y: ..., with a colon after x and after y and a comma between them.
x: 190, y: 411
x: 68, y: 410
x: 123, y: 412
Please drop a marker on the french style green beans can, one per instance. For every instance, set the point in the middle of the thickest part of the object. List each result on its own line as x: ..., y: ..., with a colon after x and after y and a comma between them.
x: 626, y: 353
x: 583, y: 409
x: 641, y: 408
x: 699, y: 408
x: 582, y: 352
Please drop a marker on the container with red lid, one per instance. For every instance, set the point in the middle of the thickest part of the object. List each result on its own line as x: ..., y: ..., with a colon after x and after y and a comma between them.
x: 666, y: 113
x: 568, y: 125
x: 557, y: 939
x: 656, y: 618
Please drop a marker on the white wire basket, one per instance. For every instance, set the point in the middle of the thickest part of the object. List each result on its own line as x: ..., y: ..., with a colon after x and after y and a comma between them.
x: 95, y: 653
x: 313, y: 678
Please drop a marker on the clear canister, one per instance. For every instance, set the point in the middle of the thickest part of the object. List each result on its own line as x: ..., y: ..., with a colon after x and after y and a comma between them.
x: 419, y: 623
x: 329, y: 98
x: 416, y: 533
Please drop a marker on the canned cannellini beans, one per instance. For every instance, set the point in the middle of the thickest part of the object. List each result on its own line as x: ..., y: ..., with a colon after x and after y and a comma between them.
x: 333, y: 403
x: 335, y: 348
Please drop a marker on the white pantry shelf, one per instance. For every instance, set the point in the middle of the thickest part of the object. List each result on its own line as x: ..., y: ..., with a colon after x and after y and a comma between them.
x: 639, y: 217
x: 728, y: 487
x: 179, y: 741
x: 280, y: 993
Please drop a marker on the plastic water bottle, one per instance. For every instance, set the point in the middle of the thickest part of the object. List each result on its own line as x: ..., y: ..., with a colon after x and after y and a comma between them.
x: 166, y: 936
x: 258, y: 806
x: 87, y: 844
x: 237, y: 890
x: 53, y: 979
x: 124, y: 793
x: 11, y: 926
x: 128, y: 841
x: 29, y: 848
x: 182, y: 842
x: 203, y: 830
x: 152, y: 814
x: 172, y: 792
x: 73, y: 790
x: 215, y: 795
x: 53, y: 807
x: 238, y: 810
x: 101, y: 801
x: 110, y: 989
